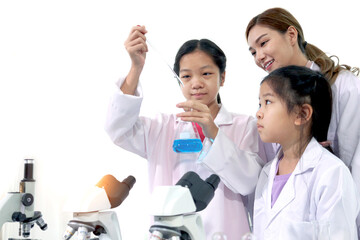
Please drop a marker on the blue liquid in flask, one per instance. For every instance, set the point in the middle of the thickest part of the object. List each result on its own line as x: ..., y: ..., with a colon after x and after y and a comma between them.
x: 187, y: 145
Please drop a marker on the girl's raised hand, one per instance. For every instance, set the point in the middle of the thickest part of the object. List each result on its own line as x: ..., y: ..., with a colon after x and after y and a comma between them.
x: 199, y: 113
x: 136, y: 46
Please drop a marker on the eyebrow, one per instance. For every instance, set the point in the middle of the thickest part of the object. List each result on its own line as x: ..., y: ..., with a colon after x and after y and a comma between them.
x: 258, y: 39
x: 267, y: 95
x: 203, y: 67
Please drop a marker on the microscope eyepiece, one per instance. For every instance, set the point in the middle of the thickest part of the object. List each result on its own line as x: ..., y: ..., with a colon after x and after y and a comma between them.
x: 115, y: 190
x: 28, y: 170
x: 213, y: 180
x: 130, y: 181
x: 201, y: 191
x: 188, y: 179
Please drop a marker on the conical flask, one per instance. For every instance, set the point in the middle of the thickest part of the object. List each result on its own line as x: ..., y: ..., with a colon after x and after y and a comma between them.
x: 187, y: 139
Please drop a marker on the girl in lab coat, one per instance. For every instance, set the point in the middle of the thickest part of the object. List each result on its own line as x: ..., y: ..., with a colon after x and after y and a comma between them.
x: 306, y: 192
x: 233, y: 138
x: 276, y: 39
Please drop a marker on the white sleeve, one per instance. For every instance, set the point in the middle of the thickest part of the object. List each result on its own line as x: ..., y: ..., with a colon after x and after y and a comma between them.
x: 123, y: 124
x: 348, y: 127
x: 349, y: 124
x: 337, y: 204
x: 238, y: 169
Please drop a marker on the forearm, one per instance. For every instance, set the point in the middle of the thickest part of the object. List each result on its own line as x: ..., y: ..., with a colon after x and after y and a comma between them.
x: 238, y: 169
x: 131, y: 82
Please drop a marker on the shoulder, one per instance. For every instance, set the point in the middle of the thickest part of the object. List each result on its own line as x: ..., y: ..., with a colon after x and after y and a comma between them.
x: 346, y: 81
x: 226, y: 117
x: 331, y: 168
x: 238, y: 117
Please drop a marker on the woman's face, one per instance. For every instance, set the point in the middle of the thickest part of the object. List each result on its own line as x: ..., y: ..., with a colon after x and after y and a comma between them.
x: 270, y: 49
x: 201, y: 77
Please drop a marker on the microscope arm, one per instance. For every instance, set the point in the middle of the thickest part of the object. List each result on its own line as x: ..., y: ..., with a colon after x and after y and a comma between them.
x: 8, y: 205
x: 110, y: 222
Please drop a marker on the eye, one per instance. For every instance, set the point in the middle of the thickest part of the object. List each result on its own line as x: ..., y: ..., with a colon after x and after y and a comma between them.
x: 207, y: 73
x: 267, y: 102
x: 253, y: 53
x: 263, y: 43
x: 185, y: 77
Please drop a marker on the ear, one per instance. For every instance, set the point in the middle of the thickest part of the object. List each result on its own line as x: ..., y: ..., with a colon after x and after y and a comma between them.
x: 304, y: 114
x: 222, y: 79
x: 292, y: 33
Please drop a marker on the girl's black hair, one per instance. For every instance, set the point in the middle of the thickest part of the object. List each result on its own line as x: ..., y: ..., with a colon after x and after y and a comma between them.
x: 204, y: 45
x: 296, y: 86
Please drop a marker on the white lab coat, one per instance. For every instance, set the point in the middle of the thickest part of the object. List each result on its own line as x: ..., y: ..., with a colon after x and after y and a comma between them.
x: 319, y: 200
x: 344, y: 129
x: 233, y: 156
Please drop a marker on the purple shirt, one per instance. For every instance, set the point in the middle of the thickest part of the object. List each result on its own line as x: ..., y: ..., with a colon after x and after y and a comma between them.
x: 278, y: 185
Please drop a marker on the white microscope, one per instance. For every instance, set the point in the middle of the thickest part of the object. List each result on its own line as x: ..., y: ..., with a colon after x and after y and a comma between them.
x: 88, y: 215
x: 174, y: 208
x: 19, y: 206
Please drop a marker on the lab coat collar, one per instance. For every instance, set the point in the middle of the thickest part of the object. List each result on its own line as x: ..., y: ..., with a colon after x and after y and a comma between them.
x: 312, y: 155
x: 223, y: 117
x: 308, y: 161
x: 314, y: 66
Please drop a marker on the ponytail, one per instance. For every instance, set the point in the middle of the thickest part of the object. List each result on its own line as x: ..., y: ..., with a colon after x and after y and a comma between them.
x: 327, y: 65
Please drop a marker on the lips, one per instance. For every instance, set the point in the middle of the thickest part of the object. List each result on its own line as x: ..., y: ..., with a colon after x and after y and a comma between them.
x: 198, y: 95
x: 259, y: 126
x: 268, y: 65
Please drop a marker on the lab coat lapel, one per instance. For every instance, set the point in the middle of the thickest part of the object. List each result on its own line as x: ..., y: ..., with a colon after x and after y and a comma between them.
x: 307, y: 161
x: 223, y: 117
x: 286, y: 196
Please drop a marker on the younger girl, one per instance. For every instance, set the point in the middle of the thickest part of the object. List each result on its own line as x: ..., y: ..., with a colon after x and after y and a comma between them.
x: 305, y: 192
x: 233, y: 154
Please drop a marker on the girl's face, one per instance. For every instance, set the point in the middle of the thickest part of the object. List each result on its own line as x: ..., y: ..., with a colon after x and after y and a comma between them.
x: 270, y: 48
x: 275, y: 124
x: 201, y: 77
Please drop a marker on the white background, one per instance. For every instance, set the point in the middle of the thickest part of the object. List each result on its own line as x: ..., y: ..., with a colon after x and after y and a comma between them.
x: 59, y: 61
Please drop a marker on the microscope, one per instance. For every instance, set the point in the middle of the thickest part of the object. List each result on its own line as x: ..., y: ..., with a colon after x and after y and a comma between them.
x: 88, y: 216
x: 19, y: 206
x: 174, y: 208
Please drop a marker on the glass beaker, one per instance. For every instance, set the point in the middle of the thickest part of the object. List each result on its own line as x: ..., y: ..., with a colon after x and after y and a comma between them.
x: 187, y: 139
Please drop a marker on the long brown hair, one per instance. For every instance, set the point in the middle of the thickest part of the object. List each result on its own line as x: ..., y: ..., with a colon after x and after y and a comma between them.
x: 280, y: 20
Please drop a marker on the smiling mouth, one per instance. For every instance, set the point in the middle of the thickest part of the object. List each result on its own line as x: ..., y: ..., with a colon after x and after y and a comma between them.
x: 198, y: 94
x: 267, y: 65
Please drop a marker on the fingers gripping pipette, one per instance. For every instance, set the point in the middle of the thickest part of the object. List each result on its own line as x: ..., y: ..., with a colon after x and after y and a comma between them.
x: 163, y: 59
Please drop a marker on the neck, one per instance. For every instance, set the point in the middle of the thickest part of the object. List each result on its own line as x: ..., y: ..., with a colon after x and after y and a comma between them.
x: 300, y: 59
x: 214, y: 109
x: 292, y: 153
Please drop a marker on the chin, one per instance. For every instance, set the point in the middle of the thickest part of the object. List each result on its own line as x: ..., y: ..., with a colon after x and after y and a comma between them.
x: 266, y: 139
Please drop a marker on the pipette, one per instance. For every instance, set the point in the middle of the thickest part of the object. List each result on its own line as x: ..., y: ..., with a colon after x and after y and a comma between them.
x: 175, y: 75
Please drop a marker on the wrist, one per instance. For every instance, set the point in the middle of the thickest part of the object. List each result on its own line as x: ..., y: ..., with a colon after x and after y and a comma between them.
x: 136, y: 69
x: 213, y: 134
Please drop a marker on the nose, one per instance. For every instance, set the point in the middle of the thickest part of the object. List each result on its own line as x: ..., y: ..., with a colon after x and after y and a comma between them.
x: 259, y: 114
x: 197, y: 82
x: 260, y: 56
